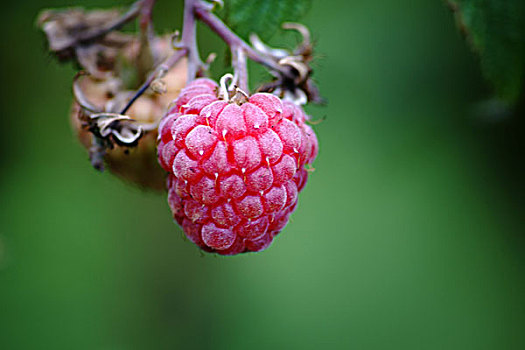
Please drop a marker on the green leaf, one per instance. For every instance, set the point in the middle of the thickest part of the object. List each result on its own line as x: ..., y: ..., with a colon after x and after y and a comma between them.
x: 263, y: 17
x: 496, y: 31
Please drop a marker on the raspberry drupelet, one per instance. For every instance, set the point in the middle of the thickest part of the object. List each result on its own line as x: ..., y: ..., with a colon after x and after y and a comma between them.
x: 236, y: 165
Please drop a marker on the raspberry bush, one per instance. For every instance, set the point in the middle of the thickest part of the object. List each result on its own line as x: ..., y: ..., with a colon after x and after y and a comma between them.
x: 234, y: 161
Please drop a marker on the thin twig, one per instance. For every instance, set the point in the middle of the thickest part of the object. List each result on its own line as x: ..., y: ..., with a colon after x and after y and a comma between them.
x: 161, y: 70
x: 145, y: 58
x: 233, y: 41
x: 132, y: 13
x: 189, y: 38
x: 146, y: 15
x: 239, y: 67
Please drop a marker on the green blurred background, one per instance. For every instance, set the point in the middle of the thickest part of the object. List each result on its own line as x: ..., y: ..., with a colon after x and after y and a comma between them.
x: 409, y: 234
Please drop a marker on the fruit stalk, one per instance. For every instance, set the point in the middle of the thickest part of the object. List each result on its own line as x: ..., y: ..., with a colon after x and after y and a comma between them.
x: 159, y: 72
x: 147, y: 34
x: 131, y: 14
x: 198, y: 9
x: 240, y: 68
x: 189, y: 39
x: 233, y: 40
x: 146, y: 14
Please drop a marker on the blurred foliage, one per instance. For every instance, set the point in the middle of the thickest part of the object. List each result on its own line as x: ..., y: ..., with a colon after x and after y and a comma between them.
x: 262, y: 17
x: 496, y: 31
x: 408, y: 235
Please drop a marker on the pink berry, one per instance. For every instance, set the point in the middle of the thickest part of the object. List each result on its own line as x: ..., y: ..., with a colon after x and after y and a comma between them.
x: 235, y: 169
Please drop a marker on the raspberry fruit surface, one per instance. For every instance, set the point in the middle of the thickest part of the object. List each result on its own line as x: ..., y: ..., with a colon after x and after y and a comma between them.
x: 235, y: 167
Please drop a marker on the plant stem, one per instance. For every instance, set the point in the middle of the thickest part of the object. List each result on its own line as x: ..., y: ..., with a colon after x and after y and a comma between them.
x: 240, y: 69
x: 189, y: 39
x: 145, y: 58
x: 133, y: 12
x: 233, y: 40
x: 194, y: 9
x: 161, y: 70
x: 146, y: 15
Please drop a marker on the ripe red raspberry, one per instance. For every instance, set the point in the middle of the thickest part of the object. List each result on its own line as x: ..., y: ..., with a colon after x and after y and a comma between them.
x: 235, y: 167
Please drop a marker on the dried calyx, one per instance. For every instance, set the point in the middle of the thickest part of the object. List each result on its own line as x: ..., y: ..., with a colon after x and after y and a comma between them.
x: 113, y: 128
x: 88, y: 38
x: 108, y: 127
x: 296, y: 86
x: 112, y: 61
x: 231, y: 92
